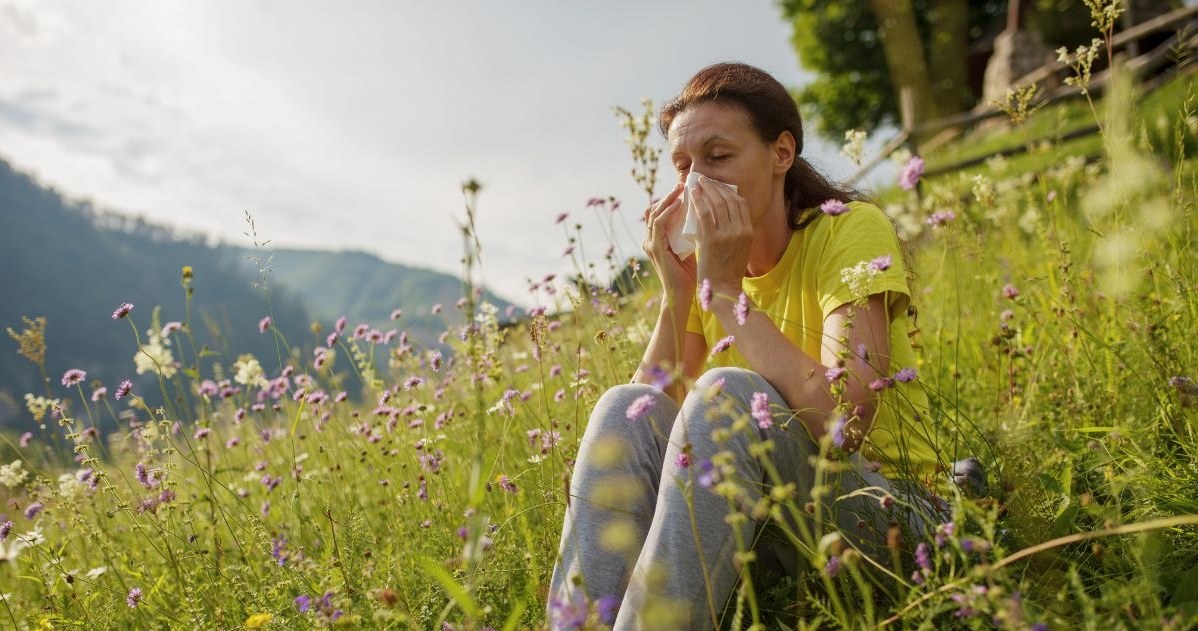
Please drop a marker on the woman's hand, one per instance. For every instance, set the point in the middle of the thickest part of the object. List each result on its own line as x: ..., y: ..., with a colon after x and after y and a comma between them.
x: 725, y: 235
x: 677, y: 276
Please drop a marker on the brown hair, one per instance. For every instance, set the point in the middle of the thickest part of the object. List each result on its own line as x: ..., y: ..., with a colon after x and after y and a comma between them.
x: 771, y: 111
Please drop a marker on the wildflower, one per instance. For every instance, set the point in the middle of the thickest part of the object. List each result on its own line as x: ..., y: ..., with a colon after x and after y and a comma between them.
x: 722, y: 345
x: 155, y: 356
x: 905, y: 375
x: 257, y: 620
x: 708, y: 474
x: 202, y: 433
x: 917, y: 578
x: 25, y: 438
x: 943, y: 532
x: 832, y: 568
x: 133, y: 598
x: 33, y: 510
x: 303, y: 603
x: 912, y: 171
x: 171, y: 327
x: 639, y: 407
x: 838, y: 432
x: 436, y: 309
x: 1009, y: 291
x: 835, y: 373
x: 12, y: 474
x: 122, y: 311
x: 834, y: 207
x: 940, y: 218
x: 887, y: 502
x: 607, y: 607
x: 73, y: 377
x: 854, y: 145
x: 760, y: 407
x: 123, y: 390
x: 264, y: 324
x: 5, y: 528
x: 99, y: 393
x: 882, y: 263
x: 741, y: 309
x: 232, y: 442
x: 880, y: 384
x: 144, y: 476
x: 506, y: 484
x: 360, y: 331
x: 569, y: 614
x: 683, y: 460
x: 705, y: 294
x: 923, y: 556
x: 412, y: 382
x: 561, y: 218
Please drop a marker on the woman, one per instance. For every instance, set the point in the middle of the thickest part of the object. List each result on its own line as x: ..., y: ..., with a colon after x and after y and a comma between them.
x: 791, y: 315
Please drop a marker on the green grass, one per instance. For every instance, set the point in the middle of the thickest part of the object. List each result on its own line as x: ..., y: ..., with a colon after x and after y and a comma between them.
x: 1074, y: 392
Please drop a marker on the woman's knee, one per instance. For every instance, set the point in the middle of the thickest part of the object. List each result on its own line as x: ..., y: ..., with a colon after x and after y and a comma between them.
x: 622, y: 410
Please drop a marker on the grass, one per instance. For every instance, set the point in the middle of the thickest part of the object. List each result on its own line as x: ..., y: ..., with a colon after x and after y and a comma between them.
x: 1055, y: 321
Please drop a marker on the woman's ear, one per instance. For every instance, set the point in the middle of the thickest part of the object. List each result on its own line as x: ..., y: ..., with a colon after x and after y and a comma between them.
x: 783, y: 152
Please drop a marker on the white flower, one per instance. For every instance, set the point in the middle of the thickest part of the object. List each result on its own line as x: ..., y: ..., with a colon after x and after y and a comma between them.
x: 155, y: 356
x: 13, y: 474
x: 95, y: 572
x: 38, y: 406
x: 249, y: 372
x: 854, y: 145
x: 860, y: 279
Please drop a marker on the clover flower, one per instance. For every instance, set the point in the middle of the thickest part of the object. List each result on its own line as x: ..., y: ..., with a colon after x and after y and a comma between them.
x: 834, y: 207
x: 722, y: 345
x: 73, y: 377
x: 912, y: 171
x: 639, y: 407
x: 760, y: 410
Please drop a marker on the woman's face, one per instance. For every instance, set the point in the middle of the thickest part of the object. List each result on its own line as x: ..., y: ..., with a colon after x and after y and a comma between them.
x: 719, y: 141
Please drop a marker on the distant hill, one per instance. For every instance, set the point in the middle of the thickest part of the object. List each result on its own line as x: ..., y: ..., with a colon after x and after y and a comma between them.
x: 365, y: 288
x: 68, y: 261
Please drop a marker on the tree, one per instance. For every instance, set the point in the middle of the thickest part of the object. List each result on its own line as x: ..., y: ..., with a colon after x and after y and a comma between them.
x: 929, y: 41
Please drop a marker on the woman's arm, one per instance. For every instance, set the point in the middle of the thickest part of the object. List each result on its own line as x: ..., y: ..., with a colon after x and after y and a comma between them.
x: 668, y: 348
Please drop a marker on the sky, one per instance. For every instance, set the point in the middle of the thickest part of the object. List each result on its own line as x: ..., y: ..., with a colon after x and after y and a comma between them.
x: 351, y: 125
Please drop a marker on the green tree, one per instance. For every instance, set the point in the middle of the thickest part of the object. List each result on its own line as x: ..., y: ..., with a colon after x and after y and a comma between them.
x: 843, y: 43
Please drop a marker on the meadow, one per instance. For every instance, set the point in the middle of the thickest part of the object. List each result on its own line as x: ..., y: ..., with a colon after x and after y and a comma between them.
x: 1056, y: 307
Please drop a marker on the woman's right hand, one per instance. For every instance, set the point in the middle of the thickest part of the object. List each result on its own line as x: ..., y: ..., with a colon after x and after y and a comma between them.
x: 677, y: 276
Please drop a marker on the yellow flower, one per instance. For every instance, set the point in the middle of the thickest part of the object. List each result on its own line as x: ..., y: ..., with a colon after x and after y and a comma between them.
x: 257, y: 620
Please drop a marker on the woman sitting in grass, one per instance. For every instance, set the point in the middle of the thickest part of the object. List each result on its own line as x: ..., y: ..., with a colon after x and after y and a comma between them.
x: 780, y: 361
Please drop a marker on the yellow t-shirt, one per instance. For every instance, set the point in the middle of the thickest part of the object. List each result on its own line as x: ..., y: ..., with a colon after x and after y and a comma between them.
x: 810, y: 281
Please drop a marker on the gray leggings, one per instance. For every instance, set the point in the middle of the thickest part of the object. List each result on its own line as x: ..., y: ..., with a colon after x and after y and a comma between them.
x: 632, y: 541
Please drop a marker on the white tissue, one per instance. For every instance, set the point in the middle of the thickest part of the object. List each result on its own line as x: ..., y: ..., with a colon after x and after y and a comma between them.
x: 685, y: 238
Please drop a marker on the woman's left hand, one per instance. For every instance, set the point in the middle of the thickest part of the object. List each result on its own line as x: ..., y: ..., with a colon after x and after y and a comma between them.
x: 725, y: 235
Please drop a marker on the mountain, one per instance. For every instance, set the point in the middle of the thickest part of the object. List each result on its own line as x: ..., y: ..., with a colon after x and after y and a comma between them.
x: 366, y: 289
x: 74, y: 264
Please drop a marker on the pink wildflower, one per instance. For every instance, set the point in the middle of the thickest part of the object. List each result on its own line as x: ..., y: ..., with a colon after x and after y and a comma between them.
x: 912, y: 171
x: 834, y: 207
x: 639, y: 407
x: 122, y: 311
x: 760, y: 407
x: 722, y: 345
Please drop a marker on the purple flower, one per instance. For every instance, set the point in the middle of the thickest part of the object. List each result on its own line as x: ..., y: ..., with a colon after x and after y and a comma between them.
x: 683, y: 460
x: 123, y: 390
x: 639, y: 407
x: 833, y: 567
x: 99, y: 393
x: 73, y: 377
x: 722, y: 345
x: 303, y: 603
x: 412, y: 382
x: 760, y: 410
x: 5, y: 528
x: 835, y: 373
x: 561, y: 218
x: 264, y: 324
x: 708, y: 475
x: 506, y: 484
x: 568, y: 613
x: 397, y: 314
x: 171, y: 327
x: 741, y: 309
x: 705, y: 294
x: 33, y: 510
x: 880, y: 384
x: 905, y: 375
x: 912, y: 171
x: 923, y: 556
x: 834, y: 207
x: 838, y: 432
x: 1040, y: 626
x: 607, y: 607
x: 940, y: 218
x: 882, y: 263
x: 143, y: 476
x: 122, y: 311
x: 133, y: 598
x: 25, y: 438
x: 1008, y: 291
x: 943, y: 532
x: 232, y: 442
